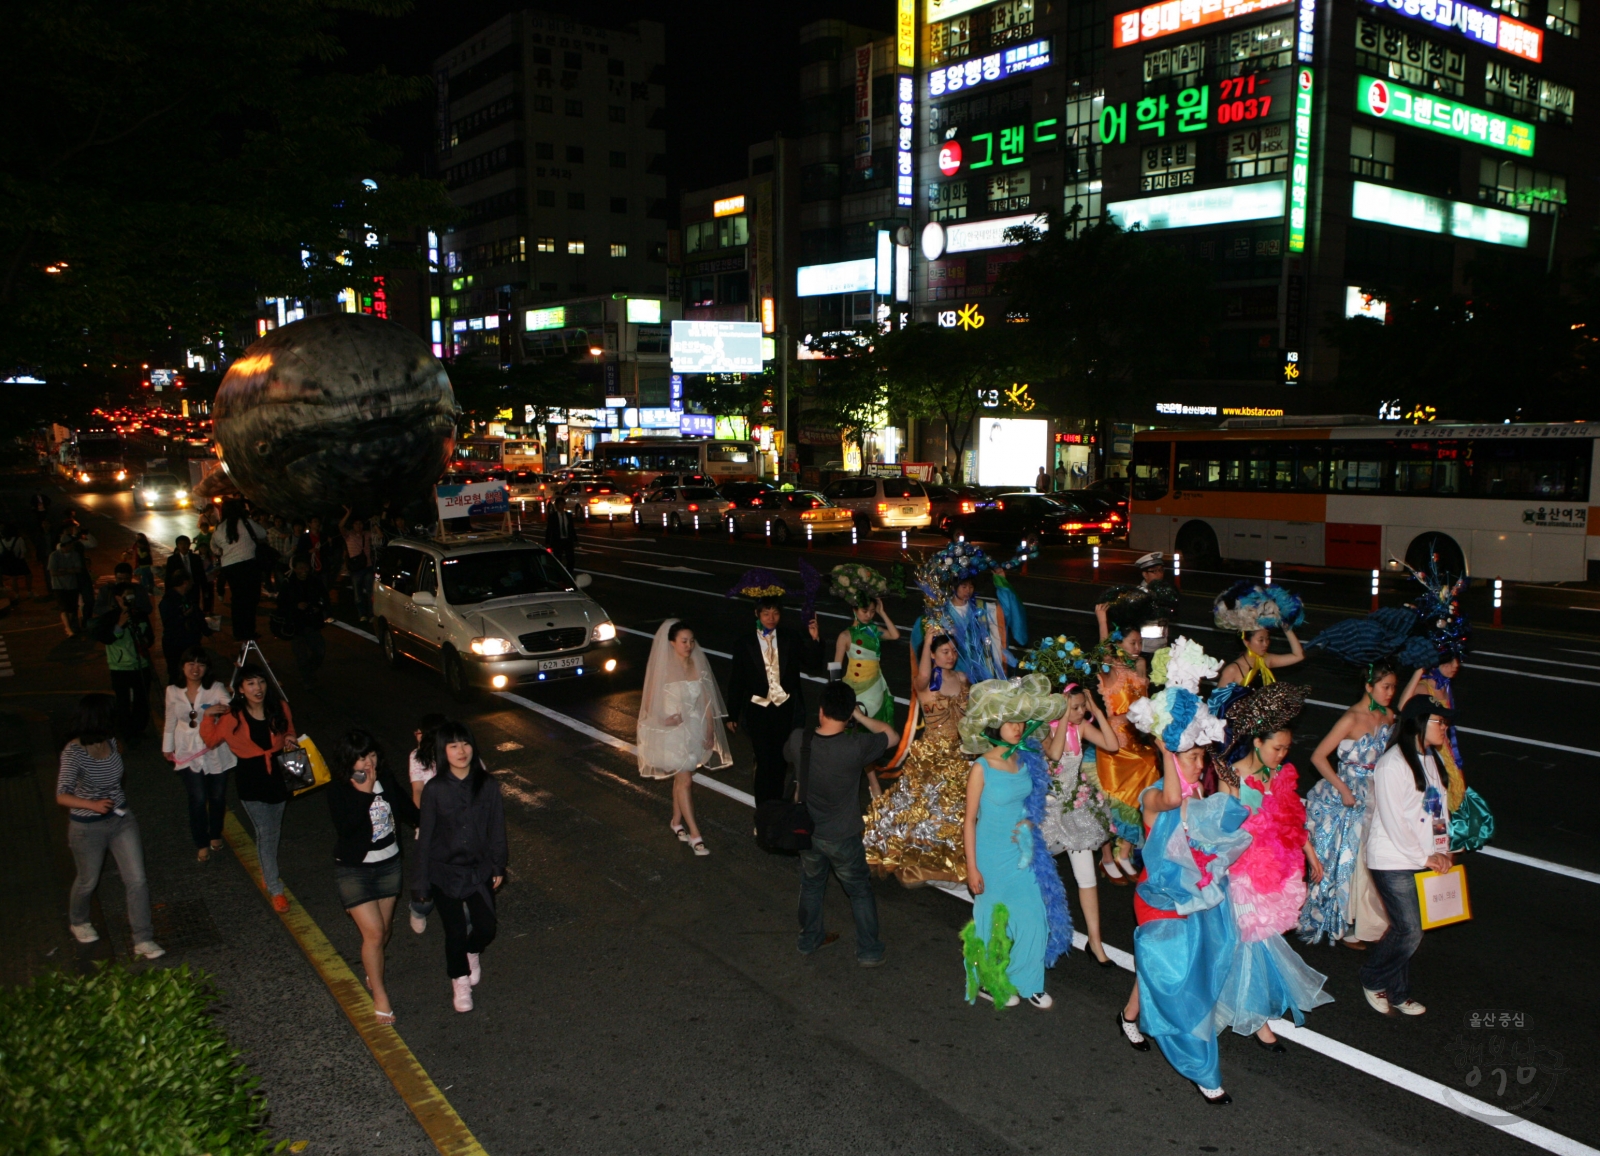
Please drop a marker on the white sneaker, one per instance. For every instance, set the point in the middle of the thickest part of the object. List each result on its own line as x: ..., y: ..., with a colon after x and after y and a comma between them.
x: 84, y: 932
x: 1408, y: 1007
x: 474, y: 971
x: 1378, y: 1000
x: 461, y: 990
x: 1042, y: 1001
x: 1012, y: 1002
x: 419, y: 923
x: 148, y: 950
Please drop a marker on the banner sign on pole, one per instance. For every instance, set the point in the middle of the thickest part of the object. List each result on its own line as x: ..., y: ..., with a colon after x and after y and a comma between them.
x: 472, y: 499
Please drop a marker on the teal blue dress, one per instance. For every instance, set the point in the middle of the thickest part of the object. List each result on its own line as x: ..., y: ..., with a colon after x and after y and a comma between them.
x: 1005, y: 851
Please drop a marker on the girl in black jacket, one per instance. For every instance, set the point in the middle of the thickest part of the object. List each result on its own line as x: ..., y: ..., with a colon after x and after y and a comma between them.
x: 461, y: 854
x: 366, y: 803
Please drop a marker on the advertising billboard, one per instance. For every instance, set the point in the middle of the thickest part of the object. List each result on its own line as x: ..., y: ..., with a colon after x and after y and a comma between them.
x: 839, y: 277
x: 1169, y: 17
x: 971, y: 236
x: 1011, y: 450
x: 1477, y: 24
x: 1390, y: 101
x: 1406, y: 210
x: 1258, y: 202
x: 717, y: 346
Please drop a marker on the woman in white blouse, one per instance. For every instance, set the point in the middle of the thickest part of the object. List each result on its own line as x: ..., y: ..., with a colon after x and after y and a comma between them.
x: 1410, y: 832
x: 204, y: 769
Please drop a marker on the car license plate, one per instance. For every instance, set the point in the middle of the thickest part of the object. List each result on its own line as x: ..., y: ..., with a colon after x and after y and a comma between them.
x: 561, y: 663
x: 908, y: 509
x: 1094, y: 539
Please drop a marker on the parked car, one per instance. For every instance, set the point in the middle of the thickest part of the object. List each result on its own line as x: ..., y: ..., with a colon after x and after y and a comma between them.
x: 677, y: 507
x: 495, y: 613
x: 789, y: 513
x: 159, y: 491
x: 744, y: 495
x: 1014, y: 517
x: 1099, y: 508
x: 602, y: 499
x: 945, y: 502
x: 882, y: 503
x: 1112, y: 490
x: 530, y: 484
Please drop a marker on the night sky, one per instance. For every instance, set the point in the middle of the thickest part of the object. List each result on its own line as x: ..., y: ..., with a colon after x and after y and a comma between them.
x: 732, y: 67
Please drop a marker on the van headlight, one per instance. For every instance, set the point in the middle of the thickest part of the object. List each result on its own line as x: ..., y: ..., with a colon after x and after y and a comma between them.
x: 492, y: 646
x: 182, y: 495
x: 603, y: 632
x: 151, y: 496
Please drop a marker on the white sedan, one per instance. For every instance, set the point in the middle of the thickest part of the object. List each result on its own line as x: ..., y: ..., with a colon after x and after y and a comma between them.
x: 677, y: 507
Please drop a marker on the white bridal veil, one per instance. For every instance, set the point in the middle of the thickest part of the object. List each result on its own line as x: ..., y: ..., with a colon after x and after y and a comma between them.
x: 680, y: 712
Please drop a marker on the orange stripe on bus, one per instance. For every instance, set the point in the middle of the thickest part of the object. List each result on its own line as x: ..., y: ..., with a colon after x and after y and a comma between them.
x: 1274, y: 507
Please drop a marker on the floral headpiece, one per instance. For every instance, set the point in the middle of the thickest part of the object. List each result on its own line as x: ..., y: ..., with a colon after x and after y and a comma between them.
x: 1002, y: 700
x: 1247, y: 606
x: 857, y: 584
x: 1059, y: 659
x: 1177, y: 713
x: 758, y: 582
x: 1183, y: 664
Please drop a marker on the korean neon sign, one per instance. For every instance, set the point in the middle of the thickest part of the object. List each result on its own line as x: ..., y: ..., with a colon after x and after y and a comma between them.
x: 1396, y: 102
x: 1174, y: 16
x: 905, y: 114
x: 1475, y: 23
x: 1008, y: 146
x: 1305, y: 40
x: 982, y: 69
x: 1300, y: 168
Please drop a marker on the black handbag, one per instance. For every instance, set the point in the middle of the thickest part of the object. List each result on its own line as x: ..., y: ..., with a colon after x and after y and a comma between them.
x: 782, y: 827
x: 267, y: 556
x: 295, y: 767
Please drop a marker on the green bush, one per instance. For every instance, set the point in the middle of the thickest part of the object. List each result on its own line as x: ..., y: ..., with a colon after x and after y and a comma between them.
x: 120, y: 1062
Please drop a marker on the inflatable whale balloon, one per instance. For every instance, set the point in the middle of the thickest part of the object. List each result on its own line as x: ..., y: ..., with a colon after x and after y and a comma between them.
x: 344, y: 409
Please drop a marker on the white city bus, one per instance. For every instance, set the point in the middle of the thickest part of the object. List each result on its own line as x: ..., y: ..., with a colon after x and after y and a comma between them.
x: 1505, y: 501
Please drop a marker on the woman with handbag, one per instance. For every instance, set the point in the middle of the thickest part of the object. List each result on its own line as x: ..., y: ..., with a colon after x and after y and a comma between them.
x: 461, y: 854
x: 256, y: 727
x: 364, y: 800
x: 240, y: 547
x: 204, y: 766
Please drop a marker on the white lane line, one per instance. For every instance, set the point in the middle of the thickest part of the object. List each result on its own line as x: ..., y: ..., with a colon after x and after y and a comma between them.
x: 1541, y: 864
x: 1590, y: 609
x: 1486, y: 734
x: 1546, y: 661
x: 1531, y: 674
x: 367, y: 634
x: 1571, y: 650
x: 1314, y: 1041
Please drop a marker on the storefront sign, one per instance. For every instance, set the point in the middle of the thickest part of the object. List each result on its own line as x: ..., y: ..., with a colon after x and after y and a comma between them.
x: 1008, y: 146
x: 864, y: 107
x: 839, y: 277
x: 1406, y: 210
x: 905, y: 117
x: 1474, y: 23
x: 1179, y: 409
x: 716, y: 347
x: 1359, y: 304
x: 1300, y: 166
x: 905, y: 41
x: 978, y: 70
x: 697, y: 425
x: 1173, y: 16
x: 539, y: 319
x: 1257, y: 202
x: 728, y: 206
x: 1396, y: 102
x: 971, y: 236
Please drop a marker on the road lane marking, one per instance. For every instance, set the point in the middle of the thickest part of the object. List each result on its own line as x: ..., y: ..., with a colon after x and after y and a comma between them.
x: 1530, y: 658
x: 1341, y: 707
x: 1541, y: 864
x: 421, y: 1095
x: 1323, y: 1045
x: 1530, y: 674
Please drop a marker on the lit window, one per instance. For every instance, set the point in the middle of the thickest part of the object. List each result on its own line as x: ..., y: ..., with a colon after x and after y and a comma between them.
x: 575, y: 248
x: 1372, y: 153
x: 618, y: 250
x: 1562, y: 17
x: 546, y: 244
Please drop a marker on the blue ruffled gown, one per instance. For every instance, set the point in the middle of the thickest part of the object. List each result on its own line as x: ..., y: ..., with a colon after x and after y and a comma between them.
x: 1336, y: 833
x: 1185, y: 943
x: 1005, y: 853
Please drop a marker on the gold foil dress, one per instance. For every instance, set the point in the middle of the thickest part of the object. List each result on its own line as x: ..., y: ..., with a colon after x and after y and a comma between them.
x: 915, y: 831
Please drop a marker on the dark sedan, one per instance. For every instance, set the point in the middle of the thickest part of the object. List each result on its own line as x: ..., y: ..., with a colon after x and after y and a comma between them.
x: 1012, y: 518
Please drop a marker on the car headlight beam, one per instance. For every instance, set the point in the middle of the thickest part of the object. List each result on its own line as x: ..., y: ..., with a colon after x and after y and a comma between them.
x: 603, y: 632
x: 492, y: 646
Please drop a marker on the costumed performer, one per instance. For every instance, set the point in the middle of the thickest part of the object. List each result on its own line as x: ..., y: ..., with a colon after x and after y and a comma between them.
x: 1144, y: 609
x: 1337, y: 807
x: 1186, y: 938
x: 1077, y: 815
x: 1266, y: 885
x: 1471, y: 822
x: 915, y: 829
x: 680, y: 722
x: 981, y: 629
x: 1020, y: 924
x: 1119, y: 667
x: 1253, y: 610
x: 863, y: 589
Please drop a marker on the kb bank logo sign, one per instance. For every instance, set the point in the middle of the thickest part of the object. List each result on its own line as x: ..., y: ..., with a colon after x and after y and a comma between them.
x: 966, y: 317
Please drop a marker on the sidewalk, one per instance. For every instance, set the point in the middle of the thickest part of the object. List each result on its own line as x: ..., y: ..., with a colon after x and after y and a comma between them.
x: 321, y: 1081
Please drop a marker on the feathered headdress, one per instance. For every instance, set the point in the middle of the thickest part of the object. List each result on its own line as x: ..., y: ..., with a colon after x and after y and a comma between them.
x: 1178, y: 714
x: 1130, y: 607
x: 1425, y: 632
x: 1059, y: 659
x: 1438, y: 611
x: 758, y: 582
x: 1259, y: 711
x: 1247, y: 606
x: 857, y: 584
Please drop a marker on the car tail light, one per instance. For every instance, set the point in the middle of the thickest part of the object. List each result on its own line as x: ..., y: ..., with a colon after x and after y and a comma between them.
x: 694, y: 507
x: 1072, y: 527
x: 755, y: 501
x: 968, y: 507
x: 1105, y: 525
x: 1116, y: 517
x: 883, y: 507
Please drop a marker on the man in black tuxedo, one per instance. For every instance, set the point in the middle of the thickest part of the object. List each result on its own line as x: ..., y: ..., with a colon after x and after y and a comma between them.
x: 764, y: 690
x: 561, y: 534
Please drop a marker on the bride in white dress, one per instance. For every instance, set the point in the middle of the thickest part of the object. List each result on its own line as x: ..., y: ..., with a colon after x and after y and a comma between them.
x: 680, y: 722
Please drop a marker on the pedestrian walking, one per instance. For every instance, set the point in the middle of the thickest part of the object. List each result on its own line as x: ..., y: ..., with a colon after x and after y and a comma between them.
x: 258, y: 724
x: 65, y: 569
x: 365, y: 801
x: 183, y: 625
x: 39, y: 511
x: 209, y: 578
x: 360, y: 551
x: 1041, y: 481
x: 183, y: 557
x: 461, y: 855
x: 1410, y: 832
x: 90, y: 787
x: 143, y: 562
x: 124, y: 630
x: 561, y: 534
x: 421, y: 766
x: 14, y: 561
x: 831, y: 761
x: 203, y: 766
x: 680, y: 723
x: 764, y: 686
x: 234, y: 547
x: 302, y: 610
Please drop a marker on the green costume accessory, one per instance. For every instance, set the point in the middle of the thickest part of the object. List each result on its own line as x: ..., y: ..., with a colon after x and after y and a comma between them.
x: 986, y: 963
x: 858, y: 585
x: 999, y: 700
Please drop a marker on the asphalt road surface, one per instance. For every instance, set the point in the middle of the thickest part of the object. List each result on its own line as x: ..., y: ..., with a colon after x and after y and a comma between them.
x: 642, y: 1000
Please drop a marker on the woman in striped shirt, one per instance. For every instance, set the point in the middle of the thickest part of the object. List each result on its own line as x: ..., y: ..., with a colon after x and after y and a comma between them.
x: 90, y: 787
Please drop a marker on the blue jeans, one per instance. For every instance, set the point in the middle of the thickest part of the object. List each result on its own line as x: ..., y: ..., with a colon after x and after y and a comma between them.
x: 848, y: 860
x: 89, y: 843
x: 267, y: 819
x: 1388, y: 966
x: 208, y: 795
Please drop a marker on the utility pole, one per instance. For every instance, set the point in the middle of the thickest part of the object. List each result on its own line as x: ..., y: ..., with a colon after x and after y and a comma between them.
x: 780, y: 275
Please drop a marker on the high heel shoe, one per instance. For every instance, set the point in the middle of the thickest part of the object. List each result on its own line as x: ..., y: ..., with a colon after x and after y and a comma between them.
x: 1216, y: 1097
x: 1276, y: 1046
x: 1130, y: 1032
x: 1116, y: 880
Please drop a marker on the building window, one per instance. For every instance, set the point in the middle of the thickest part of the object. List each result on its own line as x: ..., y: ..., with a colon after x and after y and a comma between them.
x: 947, y: 200
x: 543, y: 104
x: 658, y: 251
x: 1086, y: 197
x: 619, y: 160
x: 616, y: 68
x: 1257, y: 152
x: 1516, y: 9
x: 575, y: 200
x: 1520, y: 186
x: 545, y: 198
x: 1562, y: 17
x: 574, y: 154
x: 1177, y: 67
x: 574, y: 108
x: 618, y: 250
x: 1523, y: 94
x: 1254, y: 49
x: 545, y: 244
x: 617, y: 114
x: 1009, y: 192
x: 1371, y: 153
x: 1080, y: 135
x: 575, y: 248
x: 1405, y: 56
x: 726, y: 233
x: 619, y: 204
x: 543, y: 151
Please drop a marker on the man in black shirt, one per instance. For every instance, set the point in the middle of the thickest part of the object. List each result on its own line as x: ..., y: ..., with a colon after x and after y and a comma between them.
x: 303, y: 604
x: 839, y: 760
x: 182, y: 623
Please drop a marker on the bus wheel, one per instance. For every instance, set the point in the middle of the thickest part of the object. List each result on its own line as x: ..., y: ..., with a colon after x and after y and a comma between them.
x: 1197, y: 542
x: 1425, y: 547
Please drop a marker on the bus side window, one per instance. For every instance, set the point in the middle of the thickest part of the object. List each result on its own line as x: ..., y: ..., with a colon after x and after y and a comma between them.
x: 1149, y: 470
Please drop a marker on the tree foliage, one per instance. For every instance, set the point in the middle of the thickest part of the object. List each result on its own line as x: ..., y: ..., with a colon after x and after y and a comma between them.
x: 851, y: 389
x: 164, y: 161
x: 934, y: 372
x: 483, y: 389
